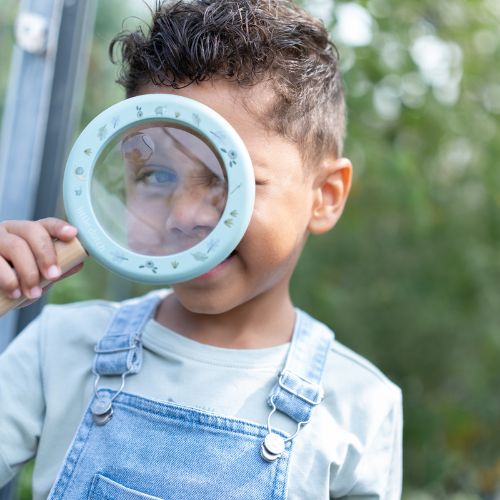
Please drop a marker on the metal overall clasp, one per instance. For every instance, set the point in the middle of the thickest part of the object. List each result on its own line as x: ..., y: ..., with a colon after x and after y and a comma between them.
x: 102, y: 406
x: 273, y: 445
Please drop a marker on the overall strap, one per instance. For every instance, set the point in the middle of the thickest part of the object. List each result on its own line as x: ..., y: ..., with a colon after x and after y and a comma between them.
x: 299, y: 389
x: 119, y: 351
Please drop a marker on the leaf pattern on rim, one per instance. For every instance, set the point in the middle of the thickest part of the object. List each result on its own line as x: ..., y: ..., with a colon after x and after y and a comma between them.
x: 200, y: 256
x: 103, y: 132
x: 149, y: 265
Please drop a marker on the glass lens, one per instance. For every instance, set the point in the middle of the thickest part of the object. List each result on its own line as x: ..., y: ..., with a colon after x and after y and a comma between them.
x: 158, y: 189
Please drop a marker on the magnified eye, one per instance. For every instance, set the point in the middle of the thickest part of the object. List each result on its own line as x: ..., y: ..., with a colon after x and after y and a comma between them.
x: 157, y: 176
x: 159, y: 189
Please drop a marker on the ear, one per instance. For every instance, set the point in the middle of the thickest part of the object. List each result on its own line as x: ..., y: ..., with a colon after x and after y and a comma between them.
x: 331, y: 188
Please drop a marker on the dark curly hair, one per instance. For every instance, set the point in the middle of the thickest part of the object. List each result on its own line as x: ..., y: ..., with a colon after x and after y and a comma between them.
x: 248, y: 42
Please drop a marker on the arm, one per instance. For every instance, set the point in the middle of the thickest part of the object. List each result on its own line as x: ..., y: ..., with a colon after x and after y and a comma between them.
x: 27, y: 255
x: 21, y: 401
x: 378, y: 474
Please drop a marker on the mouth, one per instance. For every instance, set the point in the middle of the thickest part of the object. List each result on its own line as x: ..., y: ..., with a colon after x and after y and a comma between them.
x: 215, y: 271
x: 232, y: 254
x: 229, y: 257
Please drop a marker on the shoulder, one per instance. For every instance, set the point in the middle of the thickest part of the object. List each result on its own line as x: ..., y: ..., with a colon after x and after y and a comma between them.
x: 79, y: 319
x: 71, y: 330
x: 366, y: 395
x: 78, y: 309
x: 359, y: 375
x: 357, y: 393
x: 361, y: 418
x: 83, y: 322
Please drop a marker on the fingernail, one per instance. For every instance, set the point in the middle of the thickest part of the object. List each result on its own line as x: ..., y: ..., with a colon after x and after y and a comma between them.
x: 15, y: 294
x: 68, y: 230
x: 35, y: 292
x: 53, y: 272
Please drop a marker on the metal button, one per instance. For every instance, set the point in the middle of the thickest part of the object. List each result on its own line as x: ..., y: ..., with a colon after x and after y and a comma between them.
x: 101, y: 405
x: 272, y: 447
x: 103, y: 419
x: 268, y: 457
x: 274, y: 444
x: 102, y: 409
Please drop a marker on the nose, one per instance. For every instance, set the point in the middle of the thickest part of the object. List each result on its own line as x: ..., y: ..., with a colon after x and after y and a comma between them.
x: 193, y: 213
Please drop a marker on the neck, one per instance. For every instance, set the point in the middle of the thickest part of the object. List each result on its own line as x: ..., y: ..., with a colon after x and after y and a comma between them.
x: 263, y: 321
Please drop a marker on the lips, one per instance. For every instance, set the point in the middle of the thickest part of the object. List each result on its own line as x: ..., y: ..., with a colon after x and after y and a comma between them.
x: 232, y: 254
x: 215, y: 271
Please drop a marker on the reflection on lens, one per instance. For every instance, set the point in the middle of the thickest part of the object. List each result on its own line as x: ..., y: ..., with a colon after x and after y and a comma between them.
x: 158, y: 189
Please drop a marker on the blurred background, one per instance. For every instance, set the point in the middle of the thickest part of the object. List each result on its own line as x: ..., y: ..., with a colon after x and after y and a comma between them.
x: 410, y: 276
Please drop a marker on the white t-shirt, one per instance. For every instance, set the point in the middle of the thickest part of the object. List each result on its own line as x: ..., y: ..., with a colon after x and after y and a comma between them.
x: 350, y: 448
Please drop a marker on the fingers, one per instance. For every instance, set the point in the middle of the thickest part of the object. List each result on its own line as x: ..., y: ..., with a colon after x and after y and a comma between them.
x: 58, y: 228
x: 49, y: 286
x: 28, y: 247
x: 26, y: 276
x: 39, y: 237
x: 8, y: 280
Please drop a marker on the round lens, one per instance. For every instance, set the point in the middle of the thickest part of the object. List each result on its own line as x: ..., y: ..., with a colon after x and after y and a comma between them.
x: 158, y: 189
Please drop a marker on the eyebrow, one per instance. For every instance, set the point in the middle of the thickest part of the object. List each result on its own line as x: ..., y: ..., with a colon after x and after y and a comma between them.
x: 187, y: 152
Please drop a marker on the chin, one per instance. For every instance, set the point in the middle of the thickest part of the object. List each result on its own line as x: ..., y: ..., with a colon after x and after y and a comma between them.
x: 206, y: 302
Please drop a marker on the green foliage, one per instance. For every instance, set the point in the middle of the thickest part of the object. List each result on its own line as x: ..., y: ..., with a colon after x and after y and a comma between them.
x: 8, y: 12
x: 410, y: 276
x: 24, y: 482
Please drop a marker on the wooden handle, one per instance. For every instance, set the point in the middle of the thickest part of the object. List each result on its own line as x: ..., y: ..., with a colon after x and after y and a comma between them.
x: 69, y: 255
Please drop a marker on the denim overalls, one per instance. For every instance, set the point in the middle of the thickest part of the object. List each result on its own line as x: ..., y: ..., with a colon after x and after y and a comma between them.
x: 128, y: 447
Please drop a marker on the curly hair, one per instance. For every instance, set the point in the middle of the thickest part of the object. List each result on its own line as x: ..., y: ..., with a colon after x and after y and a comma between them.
x: 248, y: 42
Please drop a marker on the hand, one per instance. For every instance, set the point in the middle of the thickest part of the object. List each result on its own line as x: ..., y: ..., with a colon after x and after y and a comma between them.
x: 27, y: 255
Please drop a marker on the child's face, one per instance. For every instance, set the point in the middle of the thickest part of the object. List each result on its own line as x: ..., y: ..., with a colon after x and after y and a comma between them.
x: 176, y: 189
x: 265, y: 258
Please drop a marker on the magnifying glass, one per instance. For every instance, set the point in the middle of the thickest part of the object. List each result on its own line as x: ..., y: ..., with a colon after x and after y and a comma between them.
x: 161, y: 189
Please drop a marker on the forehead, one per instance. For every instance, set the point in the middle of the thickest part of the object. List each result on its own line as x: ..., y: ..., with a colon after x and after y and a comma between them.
x: 244, y: 108
x: 164, y: 142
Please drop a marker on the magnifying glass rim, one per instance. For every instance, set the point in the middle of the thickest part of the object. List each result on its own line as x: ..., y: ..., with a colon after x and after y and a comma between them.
x: 190, y: 115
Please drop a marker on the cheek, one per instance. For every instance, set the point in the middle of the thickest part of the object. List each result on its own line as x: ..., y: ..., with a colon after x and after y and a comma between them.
x: 272, y: 237
x: 145, y: 228
x: 143, y: 214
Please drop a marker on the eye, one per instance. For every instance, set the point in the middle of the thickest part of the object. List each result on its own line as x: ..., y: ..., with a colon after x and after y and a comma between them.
x: 261, y: 182
x: 157, y: 176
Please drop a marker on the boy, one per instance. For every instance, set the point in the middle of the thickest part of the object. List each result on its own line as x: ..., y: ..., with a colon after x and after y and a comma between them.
x: 230, y: 371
